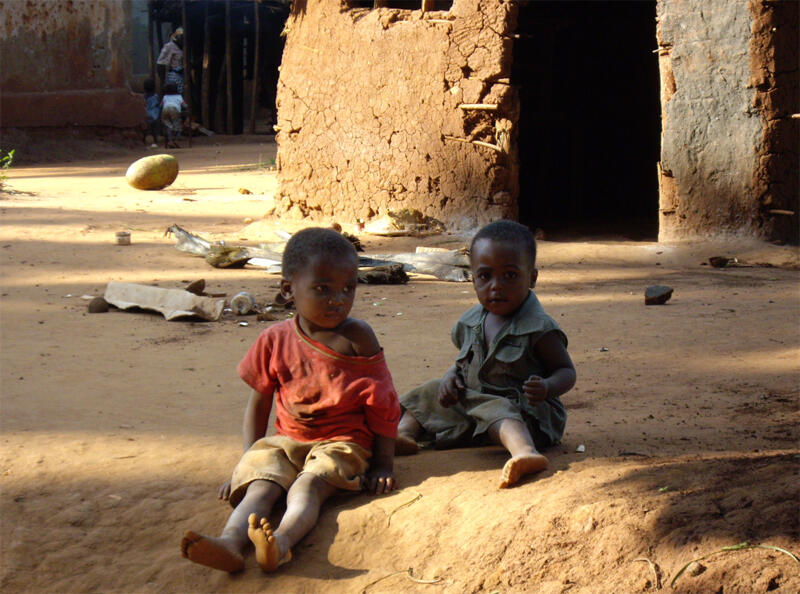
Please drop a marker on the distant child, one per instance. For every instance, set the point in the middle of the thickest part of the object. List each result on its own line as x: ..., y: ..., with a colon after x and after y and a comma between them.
x: 511, y: 368
x: 173, y: 111
x: 152, y: 108
x: 336, y: 410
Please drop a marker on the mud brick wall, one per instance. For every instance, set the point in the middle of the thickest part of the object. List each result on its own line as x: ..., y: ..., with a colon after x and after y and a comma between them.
x: 370, y: 114
x: 66, y: 63
x: 725, y: 121
x: 775, y: 75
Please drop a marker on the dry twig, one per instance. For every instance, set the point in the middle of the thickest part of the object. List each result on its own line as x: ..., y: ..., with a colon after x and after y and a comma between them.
x: 654, y: 569
x: 738, y: 547
x: 409, y: 573
x: 486, y: 106
x: 478, y: 142
x: 401, y: 506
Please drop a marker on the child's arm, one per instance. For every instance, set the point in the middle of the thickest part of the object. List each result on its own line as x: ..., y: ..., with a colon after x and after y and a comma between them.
x: 553, y: 354
x: 256, y: 418
x: 254, y: 427
x: 451, y: 388
x: 380, y: 476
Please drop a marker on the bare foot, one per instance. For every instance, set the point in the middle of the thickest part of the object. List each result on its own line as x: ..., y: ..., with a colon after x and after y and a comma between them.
x: 405, y: 445
x: 519, y: 466
x: 268, y: 553
x: 213, y: 552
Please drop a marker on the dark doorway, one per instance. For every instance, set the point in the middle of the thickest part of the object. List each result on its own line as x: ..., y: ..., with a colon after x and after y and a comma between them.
x: 589, y: 130
x: 223, y: 102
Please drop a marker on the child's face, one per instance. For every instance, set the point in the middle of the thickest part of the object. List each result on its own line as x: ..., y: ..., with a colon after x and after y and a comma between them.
x: 501, y: 276
x: 323, y: 291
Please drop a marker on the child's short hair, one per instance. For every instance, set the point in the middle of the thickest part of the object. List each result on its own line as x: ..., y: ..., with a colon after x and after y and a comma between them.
x: 313, y: 241
x: 149, y: 86
x: 170, y: 89
x: 508, y: 232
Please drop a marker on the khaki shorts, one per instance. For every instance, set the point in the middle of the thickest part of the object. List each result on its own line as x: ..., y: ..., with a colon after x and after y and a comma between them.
x: 281, y: 459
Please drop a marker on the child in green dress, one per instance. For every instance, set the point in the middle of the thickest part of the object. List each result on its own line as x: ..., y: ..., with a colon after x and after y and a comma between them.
x: 511, y: 368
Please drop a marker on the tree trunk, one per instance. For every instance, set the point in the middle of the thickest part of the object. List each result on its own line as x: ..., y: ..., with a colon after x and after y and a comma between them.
x: 256, y: 68
x: 150, y: 55
x: 187, y: 75
x: 229, y: 66
x: 205, y: 83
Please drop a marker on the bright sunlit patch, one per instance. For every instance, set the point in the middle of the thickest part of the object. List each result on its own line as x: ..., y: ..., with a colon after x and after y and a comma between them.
x: 776, y: 361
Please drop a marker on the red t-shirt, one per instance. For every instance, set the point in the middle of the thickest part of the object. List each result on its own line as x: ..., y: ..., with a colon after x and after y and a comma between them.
x: 321, y: 394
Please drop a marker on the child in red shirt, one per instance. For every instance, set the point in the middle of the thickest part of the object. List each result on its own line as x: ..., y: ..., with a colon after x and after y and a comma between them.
x: 336, y: 408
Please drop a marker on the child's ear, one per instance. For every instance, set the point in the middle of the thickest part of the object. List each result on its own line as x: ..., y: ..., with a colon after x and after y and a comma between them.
x: 534, y: 276
x: 286, y: 289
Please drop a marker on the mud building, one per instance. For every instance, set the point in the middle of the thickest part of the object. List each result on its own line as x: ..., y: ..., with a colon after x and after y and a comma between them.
x: 656, y: 118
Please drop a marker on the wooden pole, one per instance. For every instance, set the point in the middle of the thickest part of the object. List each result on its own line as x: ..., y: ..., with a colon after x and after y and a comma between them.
x: 187, y: 75
x: 489, y: 145
x: 205, y: 82
x: 150, y: 55
x: 160, y: 38
x: 256, y: 67
x: 159, y: 35
x: 486, y: 106
x: 229, y: 66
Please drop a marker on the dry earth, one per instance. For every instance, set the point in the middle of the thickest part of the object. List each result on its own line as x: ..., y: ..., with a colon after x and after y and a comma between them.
x: 118, y: 428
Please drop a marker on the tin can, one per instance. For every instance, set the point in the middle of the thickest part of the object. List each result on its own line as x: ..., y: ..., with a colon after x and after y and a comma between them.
x: 123, y: 238
x: 242, y: 303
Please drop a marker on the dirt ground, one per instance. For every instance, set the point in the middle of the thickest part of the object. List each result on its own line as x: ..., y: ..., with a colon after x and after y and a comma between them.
x: 118, y: 428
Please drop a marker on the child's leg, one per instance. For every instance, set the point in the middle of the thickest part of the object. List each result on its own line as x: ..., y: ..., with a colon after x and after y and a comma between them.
x: 408, y: 430
x: 525, y: 458
x: 303, y: 502
x: 225, y: 551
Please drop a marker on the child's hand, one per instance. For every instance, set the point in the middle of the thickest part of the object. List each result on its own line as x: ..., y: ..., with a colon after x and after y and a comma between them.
x: 535, y: 389
x: 380, y: 480
x: 451, y: 388
x: 224, y: 492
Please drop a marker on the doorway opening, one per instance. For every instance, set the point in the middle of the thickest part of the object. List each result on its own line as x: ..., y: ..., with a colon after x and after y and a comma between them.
x: 590, y: 118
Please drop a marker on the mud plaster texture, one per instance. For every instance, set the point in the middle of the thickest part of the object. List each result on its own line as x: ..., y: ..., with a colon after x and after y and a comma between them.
x: 728, y: 151
x: 64, y: 63
x: 776, y: 77
x: 369, y: 117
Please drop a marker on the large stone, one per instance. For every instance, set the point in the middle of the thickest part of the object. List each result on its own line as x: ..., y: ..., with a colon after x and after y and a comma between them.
x: 657, y: 295
x: 152, y: 173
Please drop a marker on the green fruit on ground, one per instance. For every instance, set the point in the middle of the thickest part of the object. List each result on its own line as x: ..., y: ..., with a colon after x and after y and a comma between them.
x: 152, y: 173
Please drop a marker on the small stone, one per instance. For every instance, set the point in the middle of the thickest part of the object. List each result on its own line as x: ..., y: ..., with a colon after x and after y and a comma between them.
x: 590, y: 525
x: 657, y: 294
x: 98, y: 305
x: 695, y: 569
x: 196, y: 287
x: 580, y: 449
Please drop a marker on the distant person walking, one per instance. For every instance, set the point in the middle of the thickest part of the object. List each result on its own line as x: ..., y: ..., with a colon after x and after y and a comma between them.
x: 170, y: 61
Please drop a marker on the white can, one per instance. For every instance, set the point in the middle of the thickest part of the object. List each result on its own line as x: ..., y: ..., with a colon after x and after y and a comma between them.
x: 242, y: 303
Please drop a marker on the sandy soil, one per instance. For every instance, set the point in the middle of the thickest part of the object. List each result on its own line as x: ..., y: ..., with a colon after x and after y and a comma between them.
x: 117, y: 428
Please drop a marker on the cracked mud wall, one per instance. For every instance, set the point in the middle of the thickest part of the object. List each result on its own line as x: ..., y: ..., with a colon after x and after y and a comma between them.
x: 66, y: 63
x: 724, y: 155
x: 372, y: 117
x: 775, y: 71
